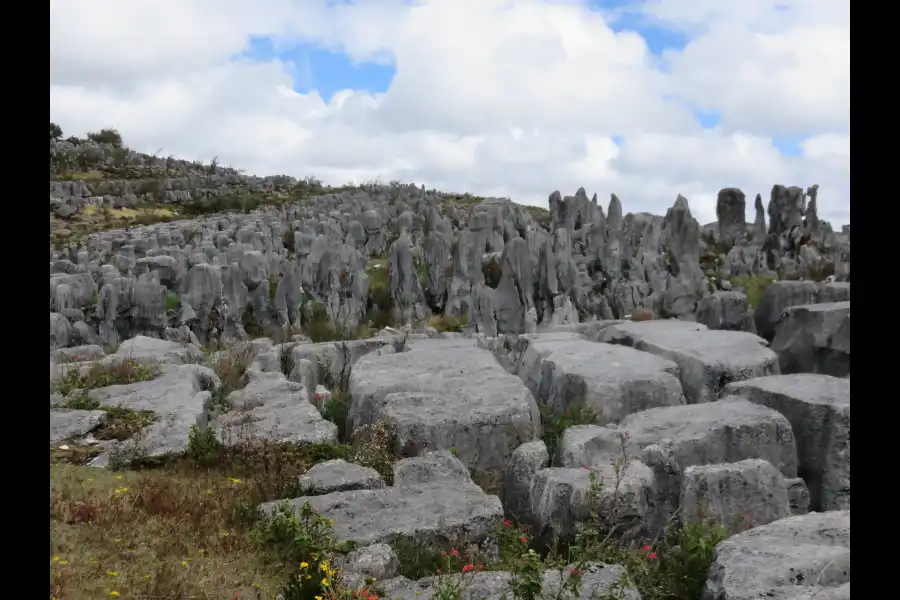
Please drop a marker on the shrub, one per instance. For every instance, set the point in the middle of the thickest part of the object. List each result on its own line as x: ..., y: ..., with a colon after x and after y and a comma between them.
x: 754, y: 287
x: 103, y: 374
x: 445, y: 323
x: 555, y: 424
x: 106, y: 136
x: 55, y: 131
x: 335, y: 410
x: 492, y: 271
x: 642, y: 314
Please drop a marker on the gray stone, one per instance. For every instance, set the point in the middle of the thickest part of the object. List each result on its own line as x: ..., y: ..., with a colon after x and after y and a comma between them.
x: 340, y: 476
x: 377, y: 562
x: 802, y: 557
x: 707, y: 360
x: 563, y: 370
x: 561, y: 498
x: 814, y: 338
x: 785, y: 294
x: 736, y: 496
x: 525, y: 462
x: 271, y: 407
x: 161, y: 351
x: 446, y: 394
x: 66, y: 423
x: 174, y: 396
x: 818, y: 408
x: 723, y: 310
x: 597, y: 581
x: 798, y: 496
x: 442, y: 511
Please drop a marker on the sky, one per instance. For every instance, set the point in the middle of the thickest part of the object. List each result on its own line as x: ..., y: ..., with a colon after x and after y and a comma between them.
x: 647, y: 99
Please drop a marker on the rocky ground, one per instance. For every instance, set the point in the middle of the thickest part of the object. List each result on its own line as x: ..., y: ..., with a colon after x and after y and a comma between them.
x: 265, y: 388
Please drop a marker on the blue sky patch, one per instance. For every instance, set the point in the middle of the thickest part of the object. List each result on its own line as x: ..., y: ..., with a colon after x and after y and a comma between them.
x: 707, y: 119
x: 319, y: 69
x: 789, y: 145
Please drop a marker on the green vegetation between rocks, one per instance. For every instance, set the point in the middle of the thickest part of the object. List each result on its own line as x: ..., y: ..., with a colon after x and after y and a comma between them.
x: 754, y: 287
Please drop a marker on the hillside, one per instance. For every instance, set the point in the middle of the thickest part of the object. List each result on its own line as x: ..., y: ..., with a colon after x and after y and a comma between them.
x: 268, y: 388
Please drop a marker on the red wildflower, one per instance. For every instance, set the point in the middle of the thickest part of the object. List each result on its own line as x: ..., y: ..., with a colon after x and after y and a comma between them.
x: 437, y: 570
x: 453, y: 552
x: 443, y: 553
x: 480, y: 566
x: 645, y: 548
x: 468, y: 568
x: 572, y: 571
x: 372, y: 598
x: 506, y: 523
x: 652, y: 555
x: 523, y: 538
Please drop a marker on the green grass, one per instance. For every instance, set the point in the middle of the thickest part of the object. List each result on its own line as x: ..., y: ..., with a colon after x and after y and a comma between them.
x: 754, y: 287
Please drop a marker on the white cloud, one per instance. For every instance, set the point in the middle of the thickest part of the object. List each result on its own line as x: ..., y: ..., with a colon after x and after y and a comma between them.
x: 491, y: 96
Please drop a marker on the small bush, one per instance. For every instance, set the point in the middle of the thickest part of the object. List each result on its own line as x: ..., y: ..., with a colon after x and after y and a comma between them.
x: 173, y: 302
x: 55, y: 131
x: 373, y: 447
x: 754, y: 287
x: 106, y: 136
x: 642, y: 314
x: 555, y: 424
x: 336, y: 410
x: 445, y: 323
x: 492, y: 271
x: 104, y: 374
x: 231, y: 366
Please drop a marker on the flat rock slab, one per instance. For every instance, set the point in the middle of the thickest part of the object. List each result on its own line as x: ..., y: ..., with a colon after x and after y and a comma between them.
x: 340, y: 476
x: 160, y: 351
x: 271, y: 407
x: 707, y: 360
x: 444, y: 394
x: 174, y: 395
x: 66, y: 423
x: 784, y: 294
x: 425, y: 505
x: 726, y: 431
x: 614, y: 380
x: 801, y: 557
x: 814, y: 338
x: 598, y: 581
x: 818, y: 408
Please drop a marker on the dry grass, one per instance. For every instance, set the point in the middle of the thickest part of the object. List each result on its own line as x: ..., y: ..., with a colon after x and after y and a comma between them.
x: 151, y: 535
x: 642, y: 314
x: 104, y: 374
x: 179, y: 531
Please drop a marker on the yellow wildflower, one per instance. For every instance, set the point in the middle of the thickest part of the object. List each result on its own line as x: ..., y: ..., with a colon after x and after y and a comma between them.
x: 325, y: 582
x: 63, y: 562
x: 234, y: 480
x: 184, y: 563
x: 304, y: 564
x: 118, y: 477
x: 114, y: 593
x: 112, y: 573
x: 55, y: 559
x: 318, y: 597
